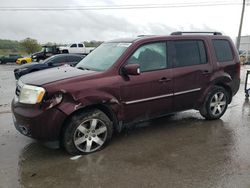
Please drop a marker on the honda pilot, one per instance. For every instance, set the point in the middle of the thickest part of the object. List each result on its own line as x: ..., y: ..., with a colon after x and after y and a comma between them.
x: 126, y: 81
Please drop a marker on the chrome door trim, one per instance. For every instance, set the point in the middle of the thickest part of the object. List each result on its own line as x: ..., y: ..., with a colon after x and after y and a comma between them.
x: 187, y: 91
x: 162, y: 96
x: 148, y: 99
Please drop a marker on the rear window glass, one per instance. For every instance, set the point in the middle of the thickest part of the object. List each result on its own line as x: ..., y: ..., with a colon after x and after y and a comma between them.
x: 74, y: 58
x: 188, y: 52
x: 223, y: 50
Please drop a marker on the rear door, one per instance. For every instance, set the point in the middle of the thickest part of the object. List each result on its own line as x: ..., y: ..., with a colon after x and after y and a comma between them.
x: 149, y: 94
x: 191, y: 71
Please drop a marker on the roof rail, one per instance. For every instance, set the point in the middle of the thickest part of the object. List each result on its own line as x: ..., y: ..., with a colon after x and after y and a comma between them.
x: 145, y: 35
x: 196, y: 32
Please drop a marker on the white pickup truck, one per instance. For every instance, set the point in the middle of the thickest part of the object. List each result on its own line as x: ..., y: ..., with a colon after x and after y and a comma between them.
x: 76, y: 48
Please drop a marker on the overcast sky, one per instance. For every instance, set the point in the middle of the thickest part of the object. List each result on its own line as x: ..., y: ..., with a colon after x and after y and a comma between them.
x: 81, y: 25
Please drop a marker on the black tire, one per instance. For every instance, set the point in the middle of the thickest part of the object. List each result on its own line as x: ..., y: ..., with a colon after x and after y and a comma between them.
x: 212, y: 108
x: 23, y: 62
x: 65, y: 51
x: 92, y: 128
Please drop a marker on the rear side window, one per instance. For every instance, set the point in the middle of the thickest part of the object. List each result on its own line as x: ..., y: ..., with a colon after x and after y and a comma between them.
x: 187, y: 52
x: 80, y: 45
x: 223, y: 50
x: 58, y: 60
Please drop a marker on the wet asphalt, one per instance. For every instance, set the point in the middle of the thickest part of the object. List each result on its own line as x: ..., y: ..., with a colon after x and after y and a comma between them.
x: 183, y: 150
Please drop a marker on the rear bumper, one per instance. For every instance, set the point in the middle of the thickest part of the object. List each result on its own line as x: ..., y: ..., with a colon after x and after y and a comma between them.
x: 235, y: 86
x: 36, y: 123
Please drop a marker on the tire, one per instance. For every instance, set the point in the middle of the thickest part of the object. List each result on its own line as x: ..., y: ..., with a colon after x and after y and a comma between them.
x: 65, y: 51
x: 87, y: 132
x: 215, y: 103
x: 23, y: 62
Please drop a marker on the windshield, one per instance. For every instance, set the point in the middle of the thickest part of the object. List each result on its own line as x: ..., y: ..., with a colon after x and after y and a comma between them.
x: 48, y: 59
x: 43, y: 49
x: 103, y: 57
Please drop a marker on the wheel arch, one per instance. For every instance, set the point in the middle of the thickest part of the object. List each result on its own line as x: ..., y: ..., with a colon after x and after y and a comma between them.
x: 105, y: 108
x: 227, y: 88
x: 224, y: 81
x: 221, y: 81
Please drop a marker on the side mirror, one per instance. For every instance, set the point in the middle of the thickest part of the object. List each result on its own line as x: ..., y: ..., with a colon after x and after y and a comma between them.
x: 132, y: 69
x: 50, y: 64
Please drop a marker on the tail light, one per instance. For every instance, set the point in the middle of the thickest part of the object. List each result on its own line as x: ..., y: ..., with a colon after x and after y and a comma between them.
x: 238, y: 70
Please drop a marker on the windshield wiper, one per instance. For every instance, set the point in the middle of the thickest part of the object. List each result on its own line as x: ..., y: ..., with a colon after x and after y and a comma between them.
x: 83, y: 68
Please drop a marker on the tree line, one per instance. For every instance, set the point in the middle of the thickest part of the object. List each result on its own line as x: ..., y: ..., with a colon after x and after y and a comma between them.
x: 29, y: 46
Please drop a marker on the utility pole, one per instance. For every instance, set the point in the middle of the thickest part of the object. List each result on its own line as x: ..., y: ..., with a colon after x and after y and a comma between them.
x: 241, y: 22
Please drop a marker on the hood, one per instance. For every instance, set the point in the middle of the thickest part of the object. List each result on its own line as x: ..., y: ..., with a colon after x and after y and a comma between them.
x: 27, y: 65
x: 53, y: 74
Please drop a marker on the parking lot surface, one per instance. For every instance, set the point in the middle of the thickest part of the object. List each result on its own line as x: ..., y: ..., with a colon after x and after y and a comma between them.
x: 183, y: 150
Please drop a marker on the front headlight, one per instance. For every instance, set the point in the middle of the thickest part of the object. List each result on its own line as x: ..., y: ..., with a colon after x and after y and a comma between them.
x: 33, y: 57
x: 23, y: 69
x: 31, y: 94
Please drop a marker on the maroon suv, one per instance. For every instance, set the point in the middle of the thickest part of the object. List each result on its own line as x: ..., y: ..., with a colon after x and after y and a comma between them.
x: 125, y: 81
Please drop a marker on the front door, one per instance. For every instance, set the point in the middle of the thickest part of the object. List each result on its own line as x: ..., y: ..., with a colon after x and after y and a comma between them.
x: 149, y: 94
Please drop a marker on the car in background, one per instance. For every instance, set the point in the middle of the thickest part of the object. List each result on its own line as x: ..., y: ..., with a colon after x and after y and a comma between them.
x: 23, y: 60
x: 11, y: 58
x: 53, y: 61
x: 46, y: 52
x: 244, y: 57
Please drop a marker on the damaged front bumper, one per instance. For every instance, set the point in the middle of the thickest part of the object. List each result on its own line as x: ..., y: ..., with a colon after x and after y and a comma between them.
x: 32, y: 121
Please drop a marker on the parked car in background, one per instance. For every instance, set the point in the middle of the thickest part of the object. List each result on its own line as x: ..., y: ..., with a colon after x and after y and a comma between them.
x: 53, y: 61
x: 78, y: 48
x: 244, y: 57
x: 11, y: 58
x: 23, y: 60
x: 47, y: 51
x: 126, y: 81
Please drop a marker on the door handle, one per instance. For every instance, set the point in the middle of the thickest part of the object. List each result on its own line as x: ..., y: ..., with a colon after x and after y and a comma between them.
x: 206, y: 72
x: 164, y: 79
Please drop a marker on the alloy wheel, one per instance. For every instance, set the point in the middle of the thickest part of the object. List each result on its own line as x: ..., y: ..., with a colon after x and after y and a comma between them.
x: 218, y: 103
x: 90, y: 135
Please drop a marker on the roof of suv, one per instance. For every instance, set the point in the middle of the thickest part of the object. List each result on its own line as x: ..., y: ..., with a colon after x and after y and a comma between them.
x: 172, y: 35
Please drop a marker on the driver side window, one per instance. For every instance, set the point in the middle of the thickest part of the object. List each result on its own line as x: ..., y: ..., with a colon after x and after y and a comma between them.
x: 73, y: 46
x: 150, y: 57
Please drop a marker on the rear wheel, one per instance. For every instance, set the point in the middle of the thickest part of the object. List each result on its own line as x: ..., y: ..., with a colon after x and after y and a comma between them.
x: 65, y: 51
x: 215, y: 104
x: 87, y: 132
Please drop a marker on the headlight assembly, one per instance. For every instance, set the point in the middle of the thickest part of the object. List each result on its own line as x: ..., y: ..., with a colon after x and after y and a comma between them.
x: 31, y: 94
x: 23, y: 69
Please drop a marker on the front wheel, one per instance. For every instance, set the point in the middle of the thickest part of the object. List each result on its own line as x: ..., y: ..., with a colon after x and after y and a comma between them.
x: 87, y: 132
x: 215, y: 103
x: 23, y: 62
